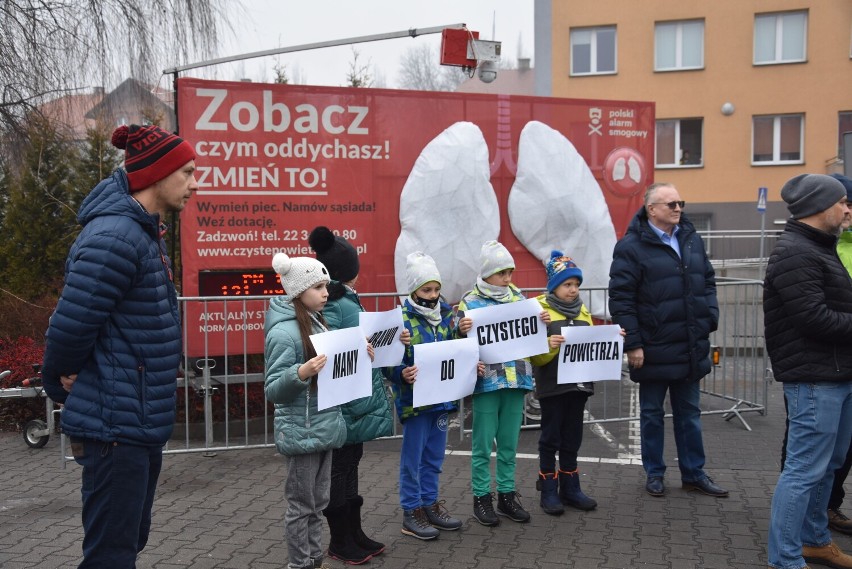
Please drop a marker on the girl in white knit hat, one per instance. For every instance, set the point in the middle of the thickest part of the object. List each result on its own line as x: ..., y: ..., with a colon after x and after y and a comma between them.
x: 305, y: 435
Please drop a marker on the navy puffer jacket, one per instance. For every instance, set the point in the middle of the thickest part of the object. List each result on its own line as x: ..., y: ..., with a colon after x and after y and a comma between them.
x: 116, y: 325
x: 807, y: 306
x: 667, y: 305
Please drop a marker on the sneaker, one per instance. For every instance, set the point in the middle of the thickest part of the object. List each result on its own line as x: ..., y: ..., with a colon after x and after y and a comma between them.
x: 483, y: 510
x: 532, y: 407
x: 440, y: 518
x: 510, y: 506
x: 828, y: 555
x: 839, y: 522
x: 416, y: 524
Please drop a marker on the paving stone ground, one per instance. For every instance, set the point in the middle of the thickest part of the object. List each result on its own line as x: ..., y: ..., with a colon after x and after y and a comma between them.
x: 226, y: 511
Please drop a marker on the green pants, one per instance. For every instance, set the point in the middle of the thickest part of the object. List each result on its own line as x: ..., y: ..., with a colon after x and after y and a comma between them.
x: 497, y: 415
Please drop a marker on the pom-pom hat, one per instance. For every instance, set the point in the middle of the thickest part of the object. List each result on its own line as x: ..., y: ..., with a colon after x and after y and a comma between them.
x: 810, y: 194
x: 336, y: 253
x: 298, y: 274
x: 420, y: 269
x: 559, y: 269
x: 150, y: 153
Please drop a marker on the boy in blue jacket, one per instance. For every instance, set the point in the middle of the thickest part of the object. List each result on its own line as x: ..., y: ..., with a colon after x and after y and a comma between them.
x: 424, y: 434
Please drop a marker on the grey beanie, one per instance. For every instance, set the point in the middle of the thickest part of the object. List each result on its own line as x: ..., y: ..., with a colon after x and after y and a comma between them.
x: 420, y: 269
x: 298, y: 274
x: 809, y: 194
x: 493, y: 258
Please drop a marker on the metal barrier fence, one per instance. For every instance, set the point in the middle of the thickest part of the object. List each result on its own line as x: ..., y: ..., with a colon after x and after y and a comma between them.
x: 221, y: 404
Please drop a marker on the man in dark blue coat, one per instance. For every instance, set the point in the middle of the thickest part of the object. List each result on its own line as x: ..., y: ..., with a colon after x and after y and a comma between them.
x: 114, y: 341
x: 662, y: 291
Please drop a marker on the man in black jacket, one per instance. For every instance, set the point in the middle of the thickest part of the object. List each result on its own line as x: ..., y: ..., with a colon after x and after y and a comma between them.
x: 807, y: 305
x: 662, y: 291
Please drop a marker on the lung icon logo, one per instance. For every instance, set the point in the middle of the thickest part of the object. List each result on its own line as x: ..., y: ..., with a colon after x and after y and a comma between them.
x: 625, y: 172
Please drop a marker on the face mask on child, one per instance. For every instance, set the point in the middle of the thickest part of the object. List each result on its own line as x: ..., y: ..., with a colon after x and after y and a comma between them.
x: 426, y: 303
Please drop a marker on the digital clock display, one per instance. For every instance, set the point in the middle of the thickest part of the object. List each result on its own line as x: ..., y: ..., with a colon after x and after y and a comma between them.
x: 239, y: 283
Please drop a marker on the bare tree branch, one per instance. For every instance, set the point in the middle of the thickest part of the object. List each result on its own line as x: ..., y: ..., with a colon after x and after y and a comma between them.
x: 420, y: 69
x: 50, y: 47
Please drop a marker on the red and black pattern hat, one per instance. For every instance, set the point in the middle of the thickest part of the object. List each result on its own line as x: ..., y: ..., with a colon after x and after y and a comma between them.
x: 150, y: 153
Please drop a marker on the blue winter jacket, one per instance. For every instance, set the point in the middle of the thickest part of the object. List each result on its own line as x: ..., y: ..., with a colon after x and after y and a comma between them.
x: 117, y: 324
x: 300, y: 428
x: 422, y: 332
x: 667, y: 305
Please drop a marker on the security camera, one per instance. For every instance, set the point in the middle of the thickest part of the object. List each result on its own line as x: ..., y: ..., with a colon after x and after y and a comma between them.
x: 487, y: 71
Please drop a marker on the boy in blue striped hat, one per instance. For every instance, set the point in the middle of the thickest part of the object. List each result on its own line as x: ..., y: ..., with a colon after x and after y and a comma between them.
x: 562, y: 405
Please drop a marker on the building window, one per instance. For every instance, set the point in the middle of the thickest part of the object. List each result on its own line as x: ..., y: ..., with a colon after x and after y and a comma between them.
x: 780, y: 38
x: 593, y: 51
x: 844, y: 124
x: 777, y: 139
x: 679, y: 45
x: 679, y: 143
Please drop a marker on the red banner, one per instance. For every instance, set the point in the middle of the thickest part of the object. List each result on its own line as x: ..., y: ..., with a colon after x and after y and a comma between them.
x: 274, y: 161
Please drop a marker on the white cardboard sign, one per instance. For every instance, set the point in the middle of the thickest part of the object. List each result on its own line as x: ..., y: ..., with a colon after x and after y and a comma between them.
x: 446, y: 371
x: 347, y: 375
x: 590, y: 353
x: 383, y: 329
x: 508, y: 332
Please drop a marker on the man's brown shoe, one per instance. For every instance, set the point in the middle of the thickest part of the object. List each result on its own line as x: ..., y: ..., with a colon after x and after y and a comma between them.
x: 828, y: 555
x: 839, y: 522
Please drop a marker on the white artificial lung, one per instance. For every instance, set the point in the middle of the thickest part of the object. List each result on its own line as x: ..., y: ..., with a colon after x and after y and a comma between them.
x: 448, y: 209
x: 556, y: 203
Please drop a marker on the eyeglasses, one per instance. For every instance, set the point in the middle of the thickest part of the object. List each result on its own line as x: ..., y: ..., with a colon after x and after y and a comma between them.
x: 671, y: 205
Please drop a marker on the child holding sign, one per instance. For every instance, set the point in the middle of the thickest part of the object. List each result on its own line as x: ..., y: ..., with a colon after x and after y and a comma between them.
x: 498, y: 400
x: 424, y: 429
x: 303, y: 434
x: 562, y: 405
x: 366, y: 419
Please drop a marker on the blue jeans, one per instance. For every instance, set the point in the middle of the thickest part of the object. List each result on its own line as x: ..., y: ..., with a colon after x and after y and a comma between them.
x: 424, y: 440
x: 119, y: 481
x: 820, y: 416
x: 686, y: 414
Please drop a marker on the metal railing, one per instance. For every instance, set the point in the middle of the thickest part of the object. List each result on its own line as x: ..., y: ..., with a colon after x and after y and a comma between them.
x: 222, y: 405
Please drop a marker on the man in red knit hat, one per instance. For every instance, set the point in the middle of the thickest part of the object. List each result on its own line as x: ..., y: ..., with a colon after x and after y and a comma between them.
x: 114, y: 341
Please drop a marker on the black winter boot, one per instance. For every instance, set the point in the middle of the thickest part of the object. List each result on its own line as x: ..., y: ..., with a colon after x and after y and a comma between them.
x: 342, y: 545
x: 509, y: 505
x: 548, y: 485
x: 570, y: 493
x: 361, y: 539
x: 483, y: 510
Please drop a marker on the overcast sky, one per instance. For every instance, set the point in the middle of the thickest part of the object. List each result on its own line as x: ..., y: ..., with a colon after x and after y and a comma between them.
x: 267, y: 24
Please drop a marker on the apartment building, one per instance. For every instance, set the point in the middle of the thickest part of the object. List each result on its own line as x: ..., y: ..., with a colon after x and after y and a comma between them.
x: 748, y: 93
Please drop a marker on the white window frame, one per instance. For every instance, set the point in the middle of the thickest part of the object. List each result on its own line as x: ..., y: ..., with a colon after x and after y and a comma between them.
x: 678, y: 66
x: 593, y: 55
x: 779, y: 38
x: 677, y: 145
x: 776, y: 140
